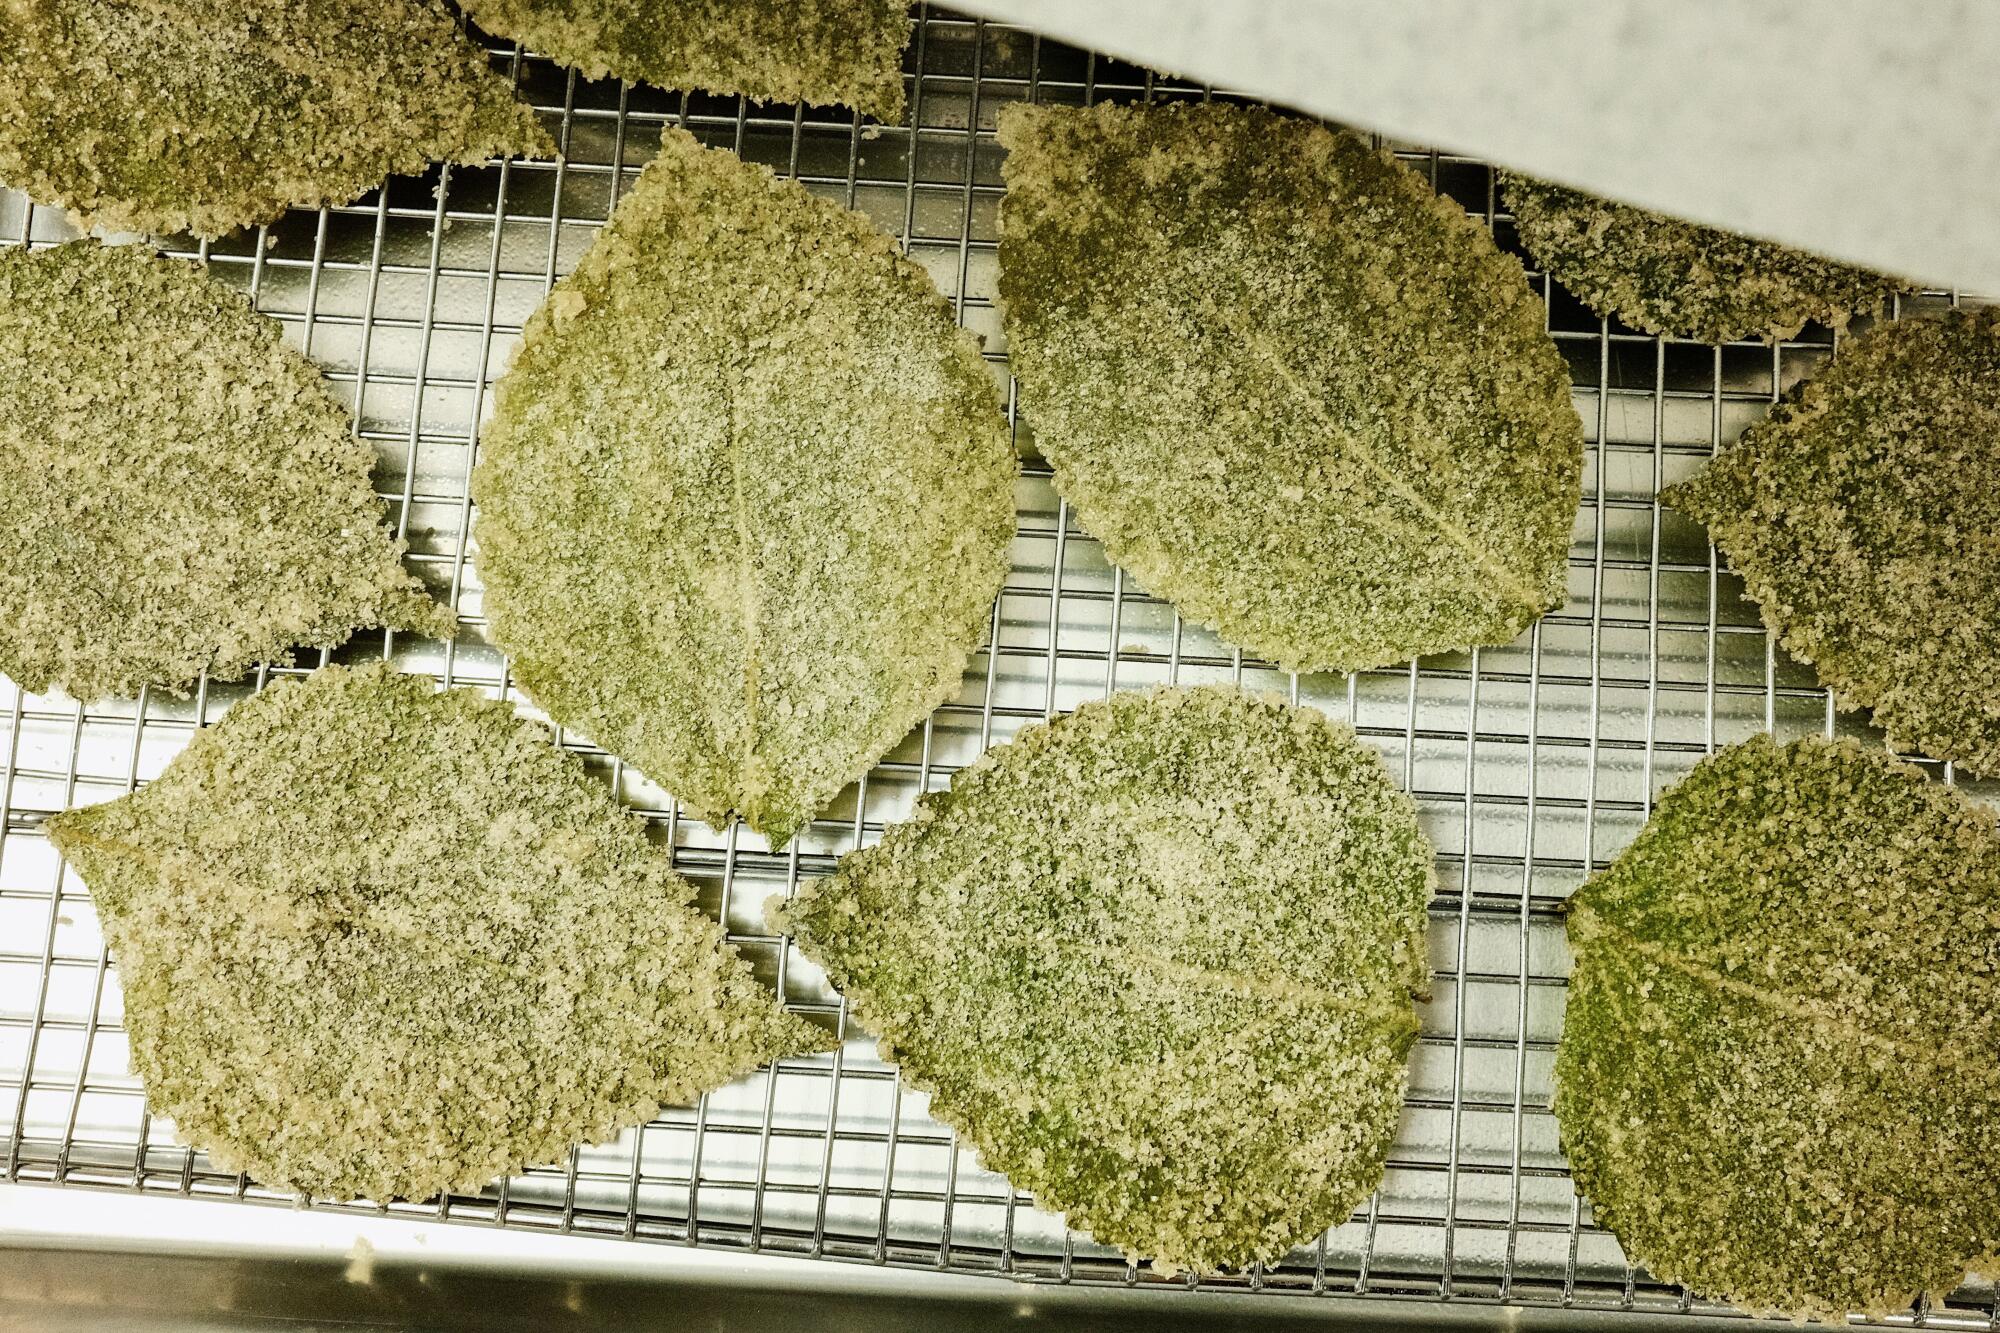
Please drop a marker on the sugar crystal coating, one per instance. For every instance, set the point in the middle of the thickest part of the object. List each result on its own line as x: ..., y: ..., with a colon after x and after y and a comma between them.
x: 1664, y: 275
x: 382, y: 940
x: 821, y: 51
x: 182, y: 492
x: 1155, y: 960
x: 1290, y: 389
x: 746, y: 497
x: 1776, y: 1081
x: 1864, y: 518
x: 209, y: 115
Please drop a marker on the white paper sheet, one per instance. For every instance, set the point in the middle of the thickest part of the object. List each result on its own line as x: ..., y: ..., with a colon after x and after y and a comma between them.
x: 1868, y: 130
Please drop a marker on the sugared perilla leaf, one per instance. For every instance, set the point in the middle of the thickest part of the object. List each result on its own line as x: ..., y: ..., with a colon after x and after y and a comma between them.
x: 209, y: 115
x: 1291, y: 390
x: 1664, y: 275
x: 821, y: 51
x: 1155, y: 961
x: 381, y: 940
x: 1864, y: 517
x: 746, y: 497
x: 1776, y: 1082
x: 182, y: 493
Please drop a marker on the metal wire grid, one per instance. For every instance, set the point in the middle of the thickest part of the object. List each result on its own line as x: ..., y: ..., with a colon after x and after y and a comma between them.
x: 1531, y: 763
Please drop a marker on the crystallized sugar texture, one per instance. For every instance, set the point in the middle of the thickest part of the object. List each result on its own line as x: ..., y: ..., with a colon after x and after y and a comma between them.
x: 1864, y: 517
x: 1776, y: 1082
x: 1291, y: 390
x: 1155, y: 961
x: 209, y: 115
x: 746, y: 497
x: 1663, y: 275
x: 821, y: 51
x: 381, y: 940
x: 178, y: 490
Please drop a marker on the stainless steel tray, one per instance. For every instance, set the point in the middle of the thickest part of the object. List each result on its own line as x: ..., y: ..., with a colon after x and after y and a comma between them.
x: 1532, y: 763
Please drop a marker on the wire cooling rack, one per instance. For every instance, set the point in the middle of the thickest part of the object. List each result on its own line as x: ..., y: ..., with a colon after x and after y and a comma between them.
x: 1532, y: 763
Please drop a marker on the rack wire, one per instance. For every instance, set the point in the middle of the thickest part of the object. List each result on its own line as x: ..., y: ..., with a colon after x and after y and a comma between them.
x: 1532, y: 763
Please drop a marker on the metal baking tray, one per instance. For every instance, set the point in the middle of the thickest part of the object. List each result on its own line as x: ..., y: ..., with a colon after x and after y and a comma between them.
x: 1532, y: 763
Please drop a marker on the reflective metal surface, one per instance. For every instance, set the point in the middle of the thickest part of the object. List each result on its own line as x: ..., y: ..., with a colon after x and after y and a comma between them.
x: 1531, y: 763
x: 93, y: 1261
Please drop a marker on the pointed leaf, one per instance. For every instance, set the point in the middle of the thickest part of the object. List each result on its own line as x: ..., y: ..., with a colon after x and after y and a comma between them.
x: 1663, y: 275
x: 378, y: 939
x: 820, y: 51
x: 1776, y: 1082
x: 1864, y: 519
x: 1290, y: 389
x: 182, y: 494
x: 209, y: 115
x: 746, y: 497
x: 1155, y: 961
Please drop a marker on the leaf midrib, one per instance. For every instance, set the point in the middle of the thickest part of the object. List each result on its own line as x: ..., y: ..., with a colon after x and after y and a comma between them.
x: 1259, y: 344
x: 1945, y: 1050
x: 750, y: 787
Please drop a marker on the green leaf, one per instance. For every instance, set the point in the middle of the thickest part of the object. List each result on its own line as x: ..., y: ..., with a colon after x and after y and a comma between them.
x: 1290, y: 389
x: 1776, y: 1082
x: 209, y: 115
x: 377, y: 939
x: 1155, y: 961
x: 1864, y: 519
x: 1666, y: 276
x: 182, y: 492
x: 746, y: 497
x: 819, y: 51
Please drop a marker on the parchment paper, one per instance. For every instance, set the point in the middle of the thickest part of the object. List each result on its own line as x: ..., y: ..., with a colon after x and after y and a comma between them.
x: 1868, y: 130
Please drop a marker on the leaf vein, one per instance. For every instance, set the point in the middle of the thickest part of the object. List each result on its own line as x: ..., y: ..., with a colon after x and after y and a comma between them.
x: 1945, y: 1050
x: 1482, y: 559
